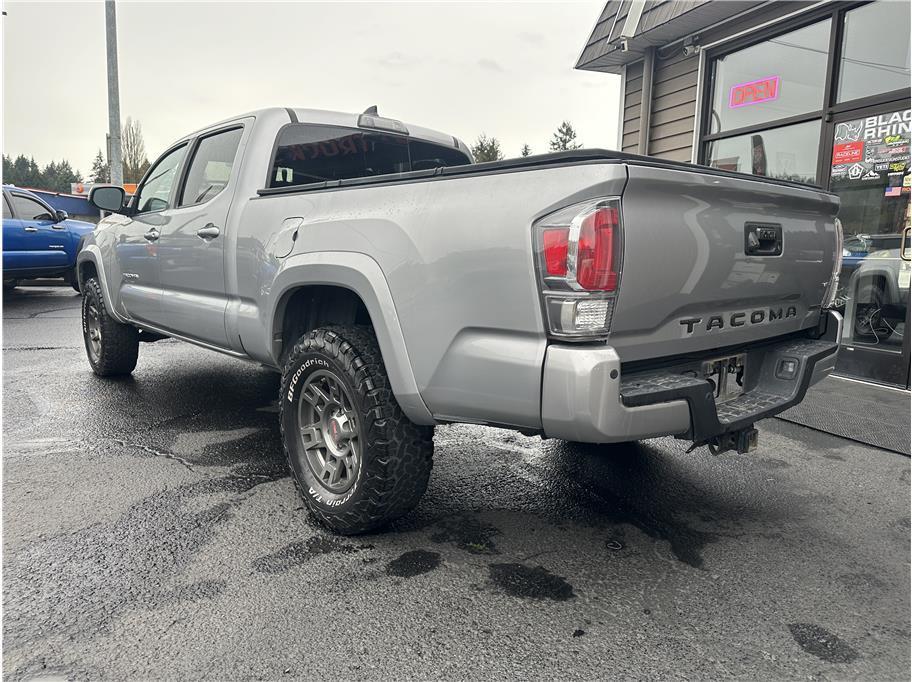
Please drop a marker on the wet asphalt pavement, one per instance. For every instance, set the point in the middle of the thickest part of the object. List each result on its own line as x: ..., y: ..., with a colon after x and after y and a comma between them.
x: 151, y: 531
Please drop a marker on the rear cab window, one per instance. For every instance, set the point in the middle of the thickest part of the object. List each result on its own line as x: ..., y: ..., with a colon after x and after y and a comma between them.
x: 425, y: 155
x: 307, y: 154
x: 210, y: 169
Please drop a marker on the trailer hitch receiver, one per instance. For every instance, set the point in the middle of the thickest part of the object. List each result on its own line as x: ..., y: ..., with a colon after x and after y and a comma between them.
x: 742, y: 441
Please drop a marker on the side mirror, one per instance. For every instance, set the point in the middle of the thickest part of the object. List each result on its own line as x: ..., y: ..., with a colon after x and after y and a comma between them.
x: 108, y: 198
x: 61, y: 215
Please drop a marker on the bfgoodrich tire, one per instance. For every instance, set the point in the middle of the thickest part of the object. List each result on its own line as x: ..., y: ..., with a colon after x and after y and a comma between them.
x: 112, y: 348
x: 356, y: 459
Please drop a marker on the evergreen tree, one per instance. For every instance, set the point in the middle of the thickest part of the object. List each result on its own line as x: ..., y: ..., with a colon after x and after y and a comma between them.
x: 21, y: 171
x: 101, y: 171
x: 486, y: 149
x: 24, y: 172
x: 526, y: 150
x: 57, y: 177
x: 564, y: 138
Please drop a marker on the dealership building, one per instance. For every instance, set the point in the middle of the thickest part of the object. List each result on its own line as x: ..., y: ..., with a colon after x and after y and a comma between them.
x: 815, y: 92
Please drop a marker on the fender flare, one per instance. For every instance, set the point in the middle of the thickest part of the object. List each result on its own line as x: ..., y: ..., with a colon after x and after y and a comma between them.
x: 361, y: 274
x: 92, y: 254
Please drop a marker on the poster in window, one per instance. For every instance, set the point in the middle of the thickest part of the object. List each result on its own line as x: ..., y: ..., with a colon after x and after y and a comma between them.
x: 873, y: 148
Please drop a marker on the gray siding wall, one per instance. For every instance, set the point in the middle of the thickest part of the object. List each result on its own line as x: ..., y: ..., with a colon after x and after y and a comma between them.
x: 674, y: 97
x: 632, y: 89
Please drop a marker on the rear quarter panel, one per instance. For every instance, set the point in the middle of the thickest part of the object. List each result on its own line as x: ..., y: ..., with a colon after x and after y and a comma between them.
x: 457, y: 256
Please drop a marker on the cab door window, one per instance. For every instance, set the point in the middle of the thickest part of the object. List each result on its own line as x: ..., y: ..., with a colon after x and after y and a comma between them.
x: 155, y: 193
x: 210, y: 168
x: 29, y: 209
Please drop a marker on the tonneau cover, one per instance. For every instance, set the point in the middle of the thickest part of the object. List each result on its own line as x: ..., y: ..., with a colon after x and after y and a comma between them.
x: 576, y: 156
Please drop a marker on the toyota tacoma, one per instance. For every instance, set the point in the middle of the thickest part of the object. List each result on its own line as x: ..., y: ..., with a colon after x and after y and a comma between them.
x: 586, y: 295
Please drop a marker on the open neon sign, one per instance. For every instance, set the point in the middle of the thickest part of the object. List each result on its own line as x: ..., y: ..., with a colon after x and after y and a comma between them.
x: 754, y: 92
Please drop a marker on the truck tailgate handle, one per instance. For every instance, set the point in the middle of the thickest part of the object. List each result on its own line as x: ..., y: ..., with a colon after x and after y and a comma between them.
x: 152, y: 235
x: 208, y: 232
x: 762, y: 239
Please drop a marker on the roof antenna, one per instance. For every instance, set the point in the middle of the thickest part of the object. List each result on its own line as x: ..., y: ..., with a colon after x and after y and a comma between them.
x: 371, y: 111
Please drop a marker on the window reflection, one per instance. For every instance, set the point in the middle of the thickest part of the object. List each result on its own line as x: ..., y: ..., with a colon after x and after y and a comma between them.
x: 774, y: 79
x: 787, y: 153
x: 875, y: 52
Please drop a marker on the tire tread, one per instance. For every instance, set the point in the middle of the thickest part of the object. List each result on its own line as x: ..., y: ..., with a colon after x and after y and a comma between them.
x: 396, y: 471
x: 119, y: 342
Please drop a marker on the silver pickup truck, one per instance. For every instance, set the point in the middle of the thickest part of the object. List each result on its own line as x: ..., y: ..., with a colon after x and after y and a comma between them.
x: 588, y: 295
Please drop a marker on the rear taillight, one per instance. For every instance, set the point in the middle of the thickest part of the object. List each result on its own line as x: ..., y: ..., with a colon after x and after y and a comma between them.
x: 595, y: 267
x: 579, y: 257
x: 554, y: 243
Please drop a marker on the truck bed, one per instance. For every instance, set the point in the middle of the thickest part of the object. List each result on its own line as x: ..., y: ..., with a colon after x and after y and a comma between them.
x: 556, y: 159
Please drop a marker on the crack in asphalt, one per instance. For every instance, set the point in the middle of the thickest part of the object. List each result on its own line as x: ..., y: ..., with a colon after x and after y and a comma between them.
x: 155, y: 452
x: 39, y: 314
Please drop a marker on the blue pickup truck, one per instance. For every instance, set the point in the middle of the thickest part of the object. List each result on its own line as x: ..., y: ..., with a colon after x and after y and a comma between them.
x: 37, y: 240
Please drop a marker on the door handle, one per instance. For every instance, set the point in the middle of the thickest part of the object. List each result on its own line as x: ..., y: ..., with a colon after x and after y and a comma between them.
x: 31, y: 229
x: 208, y: 232
x: 152, y: 235
x: 903, y: 249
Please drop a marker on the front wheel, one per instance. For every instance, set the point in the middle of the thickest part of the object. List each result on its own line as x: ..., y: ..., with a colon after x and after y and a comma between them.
x: 112, y: 348
x: 356, y: 459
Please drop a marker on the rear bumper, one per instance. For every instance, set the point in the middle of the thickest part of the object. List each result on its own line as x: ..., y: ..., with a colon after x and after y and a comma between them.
x: 585, y: 398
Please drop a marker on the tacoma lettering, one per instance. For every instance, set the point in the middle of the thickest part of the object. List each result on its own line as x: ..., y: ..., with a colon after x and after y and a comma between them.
x: 737, y: 319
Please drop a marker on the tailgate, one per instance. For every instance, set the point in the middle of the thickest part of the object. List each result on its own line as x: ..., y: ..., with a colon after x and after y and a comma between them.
x: 701, y: 265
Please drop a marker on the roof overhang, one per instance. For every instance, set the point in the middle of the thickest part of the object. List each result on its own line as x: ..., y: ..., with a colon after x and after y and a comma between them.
x: 627, y: 28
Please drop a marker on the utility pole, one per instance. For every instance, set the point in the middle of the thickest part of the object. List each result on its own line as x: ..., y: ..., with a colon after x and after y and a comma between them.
x: 115, y: 159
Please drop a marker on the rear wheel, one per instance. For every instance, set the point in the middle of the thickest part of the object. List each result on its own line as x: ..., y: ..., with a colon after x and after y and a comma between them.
x: 356, y: 459
x: 112, y: 348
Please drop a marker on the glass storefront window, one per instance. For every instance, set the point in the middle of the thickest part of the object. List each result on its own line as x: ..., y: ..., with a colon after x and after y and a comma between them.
x: 775, y: 79
x: 870, y: 173
x: 786, y: 153
x: 875, y: 50
x: 864, y: 126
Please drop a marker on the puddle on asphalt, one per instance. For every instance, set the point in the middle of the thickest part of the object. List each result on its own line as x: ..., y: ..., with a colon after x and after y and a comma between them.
x: 413, y: 563
x: 467, y: 533
x: 298, y: 553
x: 530, y: 582
x: 821, y: 643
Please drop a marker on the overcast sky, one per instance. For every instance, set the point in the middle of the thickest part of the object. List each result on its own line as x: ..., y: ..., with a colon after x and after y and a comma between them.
x: 505, y: 69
